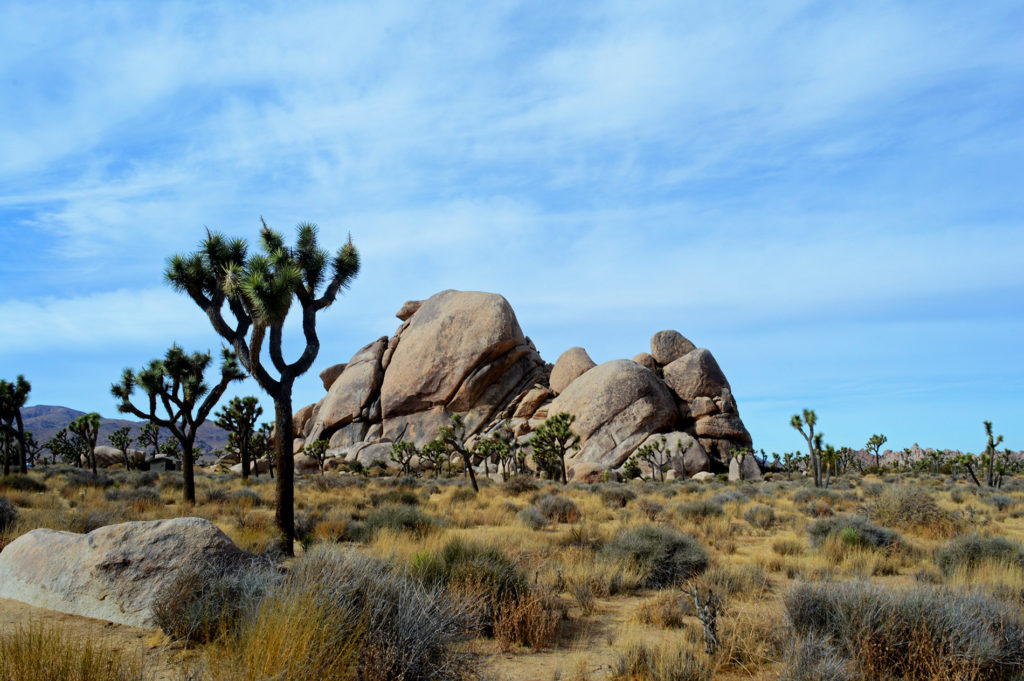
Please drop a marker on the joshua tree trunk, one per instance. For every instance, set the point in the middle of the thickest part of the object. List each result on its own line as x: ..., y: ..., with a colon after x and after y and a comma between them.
x: 188, y: 469
x: 21, y: 443
x: 285, y: 435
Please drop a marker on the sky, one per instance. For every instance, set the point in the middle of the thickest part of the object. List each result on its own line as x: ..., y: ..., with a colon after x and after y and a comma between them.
x: 828, y: 196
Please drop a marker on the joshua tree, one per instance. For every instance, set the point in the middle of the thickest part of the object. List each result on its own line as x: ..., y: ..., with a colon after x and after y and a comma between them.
x: 317, y: 450
x: 874, y: 444
x: 553, y: 439
x: 122, y: 440
x: 402, y: 453
x: 261, y: 445
x: 655, y: 454
x: 810, y: 418
x: 176, y: 385
x: 258, y: 291
x: 239, y: 417
x: 149, y: 439
x: 87, y: 428
x: 454, y: 439
x: 63, y: 445
x: 435, y: 452
x: 12, y: 398
x: 991, y: 454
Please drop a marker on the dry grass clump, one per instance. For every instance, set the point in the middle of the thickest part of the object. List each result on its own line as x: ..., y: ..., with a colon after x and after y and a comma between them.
x: 342, y: 614
x: 914, y: 509
x: 676, y: 659
x: 788, y: 546
x: 760, y: 516
x: 698, y: 510
x: 34, y: 652
x: 973, y: 552
x: 21, y: 483
x: 558, y: 509
x: 851, y: 530
x: 921, y: 633
x: 667, y: 609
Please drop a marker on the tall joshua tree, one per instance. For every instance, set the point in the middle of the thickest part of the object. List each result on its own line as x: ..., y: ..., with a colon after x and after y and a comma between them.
x: 12, y: 398
x: 874, y: 444
x: 87, y: 428
x: 258, y: 292
x: 175, y: 385
x: 239, y: 416
x: 813, y: 444
x: 991, y: 454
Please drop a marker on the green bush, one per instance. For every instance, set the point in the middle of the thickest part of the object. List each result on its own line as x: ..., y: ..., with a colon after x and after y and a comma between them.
x: 398, y: 518
x: 478, y: 568
x: 662, y: 555
x: 852, y: 530
x: 972, y: 551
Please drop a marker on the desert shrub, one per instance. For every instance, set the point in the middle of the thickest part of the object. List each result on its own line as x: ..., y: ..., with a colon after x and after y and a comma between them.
x: 661, y: 555
x: 617, y: 496
x: 143, y: 495
x: 696, y: 510
x: 650, y: 508
x: 398, y: 518
x: 206, y: 601
x: 733, y: 496
x: 405, y: 497
x: 973, y: 551
x: 519, y: 484
x: 853, y: 531
x: 80, y: 477
x: 342, y: 614
x: 37, y: 652
x: 669, y: 661
x: 558, y: 509
x: 760, y: 516
x: 819, y: 508
x: 532, y: 518
x: 918, y: 633
x: 246, y: 497
x: 785, y: 546
x: 531, y: 620
x: 474, y: 568
x: 737, y: 580
x: 21, y: 483
x: 1000, y: 501
x: 86, y: 520
x: 667, y: 610
x: 135, y: 479
x: 813, y: 658
x: 803, y: 496
x: 462, y: 495
x: 172, y: 480
x: 330, y: 483
x: 957, y: 495
x: 8, y: 514
x: 913, y: 508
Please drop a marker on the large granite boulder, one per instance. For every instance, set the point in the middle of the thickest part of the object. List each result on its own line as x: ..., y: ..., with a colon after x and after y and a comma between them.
x: 668, y: 346
x: 112, y: 456
x: 329, y: 375
x: 617, y: 405
x: 352, y: 392
x: 571, y: 364
x: 459, y: 352
x: 696, y: 374
x: 115, y: 573
x: 685, y: 453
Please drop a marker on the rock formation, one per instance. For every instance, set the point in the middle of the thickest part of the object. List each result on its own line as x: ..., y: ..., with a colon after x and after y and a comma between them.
x: 115, y: 573
x: 465, y: 353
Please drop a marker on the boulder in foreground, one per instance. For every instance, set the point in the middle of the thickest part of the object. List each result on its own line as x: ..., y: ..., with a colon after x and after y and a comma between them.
x: 116, y: 573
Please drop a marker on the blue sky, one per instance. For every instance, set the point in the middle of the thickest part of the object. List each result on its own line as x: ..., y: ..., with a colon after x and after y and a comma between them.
x: 827, y: 196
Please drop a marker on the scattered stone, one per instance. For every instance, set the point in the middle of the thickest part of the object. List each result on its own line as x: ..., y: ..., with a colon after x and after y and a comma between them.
x: 572, y: 364
x: 408, y: 309
x: 329, y: 375
x: 668, y: 346
x: 645, y: 359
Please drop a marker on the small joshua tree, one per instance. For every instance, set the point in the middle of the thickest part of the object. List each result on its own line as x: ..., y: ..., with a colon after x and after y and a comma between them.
x: 262, y: 446
x: 813, y: 446
x: 87, y: 428
x: 874, y: 445
x: 122, y: 439
x: 553, y: 439
x: 402, y: 453
x: 258, y: 291
x: 63, y: 446
x: 454, y: 438
x: 33, y: 447
x: 991, y: 454
x: 149, y: 439
x: 434, y: 453
x: 239, y: 417
x: 317, y: 450
x: 175, y: 385
x: 12, y: 398
x: 656, y: 455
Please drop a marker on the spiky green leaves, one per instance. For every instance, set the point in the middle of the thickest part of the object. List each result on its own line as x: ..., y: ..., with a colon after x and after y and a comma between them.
x: 177, y: 377
x: 13, y: 395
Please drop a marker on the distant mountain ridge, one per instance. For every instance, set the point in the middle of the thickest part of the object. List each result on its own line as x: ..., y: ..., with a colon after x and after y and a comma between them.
x: 45, y: 420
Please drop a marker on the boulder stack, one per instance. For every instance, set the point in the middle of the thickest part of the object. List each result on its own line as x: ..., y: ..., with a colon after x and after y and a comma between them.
x: 463, y: 352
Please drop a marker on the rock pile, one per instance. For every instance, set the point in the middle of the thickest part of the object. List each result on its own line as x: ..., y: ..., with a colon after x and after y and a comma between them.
x: 464, y: 352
